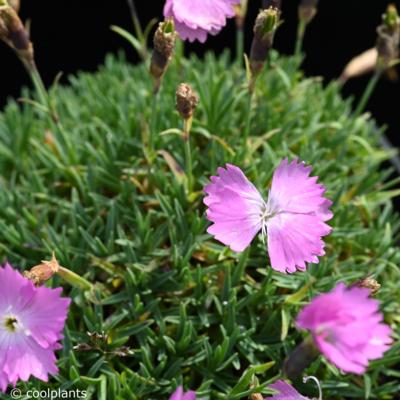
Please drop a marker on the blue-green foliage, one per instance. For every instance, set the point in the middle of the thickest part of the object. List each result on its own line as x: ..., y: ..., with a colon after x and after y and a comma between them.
x: 99, y: 194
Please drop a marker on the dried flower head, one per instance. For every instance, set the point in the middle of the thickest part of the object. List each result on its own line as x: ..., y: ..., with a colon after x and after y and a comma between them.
x: 347, y: 327
x: 388, y: 38
x: 195, y: 19
x: 43, y: 272
x: 31, y: 324
x: 293, y: 218
x: 186, y: 100
x: 368, y: 283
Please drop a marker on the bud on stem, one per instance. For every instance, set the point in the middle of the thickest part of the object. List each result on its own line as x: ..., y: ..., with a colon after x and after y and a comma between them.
x: 265, y: 27
x: 301, y: 358
x: 164, y: 45
x: 388, y: 39
x: 41, y: 273
x: 14, y: 34
x: 186, y: 103
x: 307, y: 11
x: 368, y: 283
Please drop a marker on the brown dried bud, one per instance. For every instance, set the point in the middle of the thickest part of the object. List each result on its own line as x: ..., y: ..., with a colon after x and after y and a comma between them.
x: 360, y: 65
x: 388, y: 38
x: 368, y: 283
x: 186, y: 100
x: 43, y: 272
x: 257, y: 396
x: 300, y: 359
x: 13, y: 32
x: 272, y: 3
x: 265, y: 27
x: 307, y: 10
x: 164, y: 45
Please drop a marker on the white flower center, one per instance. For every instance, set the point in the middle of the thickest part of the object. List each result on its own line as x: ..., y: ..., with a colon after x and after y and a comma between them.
x: 266, y: 214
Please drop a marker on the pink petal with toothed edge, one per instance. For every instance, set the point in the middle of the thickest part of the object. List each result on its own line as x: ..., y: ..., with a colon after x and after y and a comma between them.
x: 347, y: 327
x: 194, y: 19
x: 286, y: 392
x: 296, y: 229
x: 234, y: 206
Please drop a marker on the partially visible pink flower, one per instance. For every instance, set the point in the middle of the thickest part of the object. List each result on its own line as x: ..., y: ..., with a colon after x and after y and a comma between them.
x: 195, y: 19
x: 285, y: 392
x: 293, y: 218
x: 347, y: 327
x: 31, y: 324
x: 179, y: 394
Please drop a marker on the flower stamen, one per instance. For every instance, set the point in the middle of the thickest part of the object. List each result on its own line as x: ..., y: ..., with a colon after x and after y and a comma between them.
x: 11, y: 323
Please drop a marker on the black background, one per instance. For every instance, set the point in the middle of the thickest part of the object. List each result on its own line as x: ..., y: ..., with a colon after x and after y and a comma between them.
x: 75, y: 35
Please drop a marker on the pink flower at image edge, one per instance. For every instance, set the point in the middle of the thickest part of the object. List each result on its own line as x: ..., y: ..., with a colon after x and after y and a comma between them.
x: 31, y: 323
x: 179, y: 394
x: 195, y: 19
x: 293, y: 218
x: 347, y: 327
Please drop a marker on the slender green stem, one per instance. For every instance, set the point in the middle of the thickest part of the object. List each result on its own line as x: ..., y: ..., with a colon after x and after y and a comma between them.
x: 248, y: 121
x: 368, y: 92
x: 135, y: 19
x: 45, y: 100
x: 188, y: 153
x: 74, y: 279
x: 301, y: 30
x: 239, y: 45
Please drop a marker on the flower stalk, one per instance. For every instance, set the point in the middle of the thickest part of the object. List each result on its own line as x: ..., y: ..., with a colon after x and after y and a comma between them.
x: 241, y: 12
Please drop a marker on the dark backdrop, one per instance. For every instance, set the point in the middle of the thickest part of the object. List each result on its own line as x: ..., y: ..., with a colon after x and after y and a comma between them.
x: 74, y: 35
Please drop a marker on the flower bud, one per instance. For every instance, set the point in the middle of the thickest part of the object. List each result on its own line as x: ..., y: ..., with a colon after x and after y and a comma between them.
x: 368, y: 283
x: 272, y: 3
x: 265, y: 27
x: 41, y: 273
x: 186, y: 100
x: 13, y: 32
x: 164, y: 44
x: 301, y: 358
x: 257, y: 396
x: 388, y: 38
x: 307, y: 10
x: 360, y: 65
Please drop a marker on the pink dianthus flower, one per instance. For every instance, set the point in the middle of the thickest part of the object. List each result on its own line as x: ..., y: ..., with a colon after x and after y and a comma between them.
x: 285, y: 392
x: 179, y: 394
x: 293, y: 218
x: 347, y: 327
x: 195, y: 19
x: 31, y: 323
